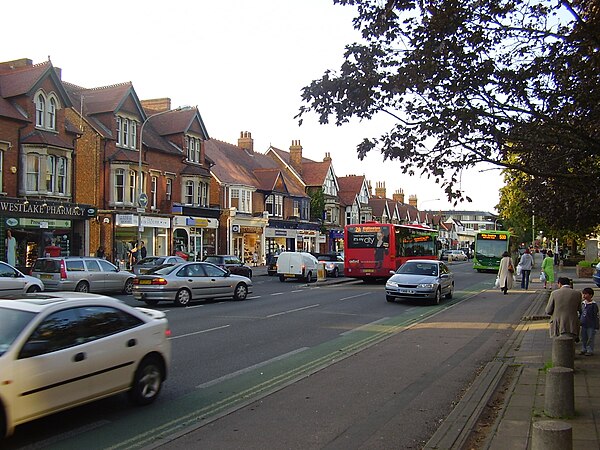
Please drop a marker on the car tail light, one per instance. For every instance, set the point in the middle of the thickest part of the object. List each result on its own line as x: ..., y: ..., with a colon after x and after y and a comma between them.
x: 63, y: 270
x: 168, y: 333
x: 159, y: 281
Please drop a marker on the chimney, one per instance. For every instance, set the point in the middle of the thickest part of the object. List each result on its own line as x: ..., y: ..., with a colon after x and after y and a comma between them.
x: 296, y: 156
x: 380, y: 189
x: 369, y: 188
x: 398, y: 196
x: 327, y: 157
x: 155, y: 105
x: 412, y: 200
x: 245, y: 141
x: 16, y: 64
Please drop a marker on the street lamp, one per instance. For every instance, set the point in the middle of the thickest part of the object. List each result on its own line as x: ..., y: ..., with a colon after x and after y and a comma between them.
x: 142, y: 198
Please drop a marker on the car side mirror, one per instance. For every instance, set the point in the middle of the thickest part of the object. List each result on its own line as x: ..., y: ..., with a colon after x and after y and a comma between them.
x: 444, y: 275
x: 392, y: 272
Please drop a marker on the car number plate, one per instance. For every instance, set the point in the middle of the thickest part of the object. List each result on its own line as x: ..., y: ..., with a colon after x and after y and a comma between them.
x: 46, y: 276
x: 369, y: 270
x: 289, y: 275
x: 145, y: 281
x: 406, y: 291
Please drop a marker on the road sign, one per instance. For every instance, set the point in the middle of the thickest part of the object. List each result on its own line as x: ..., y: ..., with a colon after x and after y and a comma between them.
x: 143, y: 200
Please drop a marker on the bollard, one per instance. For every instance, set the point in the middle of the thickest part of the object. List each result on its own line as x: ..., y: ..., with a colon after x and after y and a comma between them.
x: 552, y: 435
x: 563, y: 352
x: 559, y: 398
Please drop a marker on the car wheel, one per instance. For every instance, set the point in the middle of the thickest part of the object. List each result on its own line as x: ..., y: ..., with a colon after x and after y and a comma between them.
x: 82, y: 286
x: 2, y: 423
x: 147, y: 381
x: 151, y: 302
x: 183, y: 297
x: 281, y: 278
x: 450, y: 292
x: 32, y: 289
x: 240, y: 292
x: 389, y: 298
x: 336, y: 273
x: 438, y: 297
x: 309, y: 277
x: 128, y: 289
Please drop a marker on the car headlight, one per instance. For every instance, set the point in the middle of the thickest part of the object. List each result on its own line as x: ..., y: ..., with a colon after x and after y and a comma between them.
x: 391, y: 284
x: 426, y: 286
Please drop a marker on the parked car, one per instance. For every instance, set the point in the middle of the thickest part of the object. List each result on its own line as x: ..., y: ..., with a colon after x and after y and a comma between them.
x: 272, y: 264
x: 81, y: 274
x: 457, y: 255
x: 150, y: 262
x: 89, y: 346
x: 183, y: 283
x: 334, y: 264
x: 298, y: 265
x: 596, y: 275
x: 230, y: 262
x: 420, y: 279
x: 13, y: 281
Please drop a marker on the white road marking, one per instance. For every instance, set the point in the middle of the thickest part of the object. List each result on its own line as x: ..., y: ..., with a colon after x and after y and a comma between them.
x: 199, y: 332
x: 248, y: 369
x: 292, y: 310
x: 356, y: 296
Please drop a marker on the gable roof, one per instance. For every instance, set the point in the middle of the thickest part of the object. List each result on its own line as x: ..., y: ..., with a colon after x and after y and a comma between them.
x: 102, y: 99
x: 178, y: 121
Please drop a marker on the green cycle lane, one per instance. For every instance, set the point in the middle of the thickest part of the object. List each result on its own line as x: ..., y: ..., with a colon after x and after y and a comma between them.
x: 155, y: 424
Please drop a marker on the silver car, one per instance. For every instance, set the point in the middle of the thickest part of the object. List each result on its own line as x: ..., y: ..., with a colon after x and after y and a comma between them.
x: 334, y: 264
x: 13, y: 281
x: 81, y: 274
x: 420, y: 279
x: 183, y: 283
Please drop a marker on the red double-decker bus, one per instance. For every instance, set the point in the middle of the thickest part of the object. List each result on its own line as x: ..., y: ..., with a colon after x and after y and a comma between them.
x: 372, y: 249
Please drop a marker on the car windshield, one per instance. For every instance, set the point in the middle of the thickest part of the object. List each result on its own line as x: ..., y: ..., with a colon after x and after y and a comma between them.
x: 151, y: 261
x: 418, y: 269
x: 12, y: 322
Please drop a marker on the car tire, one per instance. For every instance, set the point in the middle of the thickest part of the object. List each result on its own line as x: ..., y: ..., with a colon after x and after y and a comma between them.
x: 281, y: 278
x: 128, y: 288
x: 147, y: 381
x: 82, y: 286
x: 309, y: 277
x: 183, y: 297
x: 438, y: 297
x: 389, y: 298
x: 2, y: 423
x: 336, y: 273
x: 32, y: 289
x: 450, y: 292
x: 240, y: 292
x: 151, y: 302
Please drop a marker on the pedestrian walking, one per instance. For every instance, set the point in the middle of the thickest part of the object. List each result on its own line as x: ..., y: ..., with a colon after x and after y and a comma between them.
x: 526, y: 263
x: 143, y: 250
x: 10, y: 244
x: 255, y: 258
x: 563, y: 307
x: 548, y: 269
x: 506, y: 273
x: 590, y: 321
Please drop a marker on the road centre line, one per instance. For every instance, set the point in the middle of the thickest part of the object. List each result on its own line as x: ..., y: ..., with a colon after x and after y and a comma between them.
x: 292, y: 310
x: 248, y: 369
x: 278, y: 293
x: 199, y: 332
x: 355, y: 296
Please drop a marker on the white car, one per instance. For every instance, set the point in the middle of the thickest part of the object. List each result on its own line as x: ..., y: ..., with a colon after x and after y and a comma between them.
x: 13, y: 281
x: 60, y: 350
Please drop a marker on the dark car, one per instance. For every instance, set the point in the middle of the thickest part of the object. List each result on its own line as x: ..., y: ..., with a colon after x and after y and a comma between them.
x: 271, y: 264
x: 230, y: 262
x: 151, y: 262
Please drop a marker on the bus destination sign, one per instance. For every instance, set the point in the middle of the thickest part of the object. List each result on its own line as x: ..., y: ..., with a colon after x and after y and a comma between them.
x: 493, y: 237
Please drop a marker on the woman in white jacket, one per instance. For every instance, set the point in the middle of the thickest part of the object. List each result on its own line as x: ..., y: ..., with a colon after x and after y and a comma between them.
x: 505, y: 273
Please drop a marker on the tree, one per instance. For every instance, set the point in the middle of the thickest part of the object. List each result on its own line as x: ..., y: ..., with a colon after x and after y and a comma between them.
x: 514, y: 83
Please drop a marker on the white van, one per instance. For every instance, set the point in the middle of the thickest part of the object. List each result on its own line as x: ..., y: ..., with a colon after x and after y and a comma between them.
x: 300, y: 265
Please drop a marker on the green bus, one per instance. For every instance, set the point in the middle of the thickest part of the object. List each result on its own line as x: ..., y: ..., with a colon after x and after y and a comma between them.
x: 489, y: 246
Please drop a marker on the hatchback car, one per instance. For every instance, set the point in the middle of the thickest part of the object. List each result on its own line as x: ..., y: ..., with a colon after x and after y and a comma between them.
x: 456, y: 255
x: 334, y: 264
x: 183, y: 283
x: 150, y: 262
x: 13, y: 281
x: 420, y: 279
x: 81, y: 274
x: 89, y: 346
x: 230, y: 262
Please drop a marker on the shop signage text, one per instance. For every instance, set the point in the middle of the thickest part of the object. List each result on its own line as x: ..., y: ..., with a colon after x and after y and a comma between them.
x: 47, y: 209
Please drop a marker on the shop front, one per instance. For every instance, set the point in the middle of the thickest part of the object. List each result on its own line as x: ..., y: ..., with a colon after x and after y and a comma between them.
x: 336, y: 241
x: 195, y: 237
x: 32, y: 229
x: 307, y: 240
x: 154, y: 234
x: 248, y: 238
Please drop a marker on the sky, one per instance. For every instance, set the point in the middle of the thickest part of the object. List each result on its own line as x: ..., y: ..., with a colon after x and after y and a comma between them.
x: 243, y: 63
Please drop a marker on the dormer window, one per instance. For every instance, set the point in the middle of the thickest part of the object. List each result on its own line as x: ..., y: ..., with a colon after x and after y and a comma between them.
x: 40, y: 110
x: 274, y: 205
x: 126, y: 132
x: 52, y: 114
x: 193, y: 149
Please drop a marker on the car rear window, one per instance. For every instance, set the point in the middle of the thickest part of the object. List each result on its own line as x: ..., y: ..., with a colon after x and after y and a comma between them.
x: 75, y: 266
x: 47, y: 266
x: 213, y: 259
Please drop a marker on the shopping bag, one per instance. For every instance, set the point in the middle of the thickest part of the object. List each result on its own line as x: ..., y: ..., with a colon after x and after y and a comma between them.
x: 543, y: 277
x: 519, y: 269
x: 497, y: 283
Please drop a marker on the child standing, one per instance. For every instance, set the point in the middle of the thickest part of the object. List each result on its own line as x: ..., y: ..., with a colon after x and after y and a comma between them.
x: 589, y: 321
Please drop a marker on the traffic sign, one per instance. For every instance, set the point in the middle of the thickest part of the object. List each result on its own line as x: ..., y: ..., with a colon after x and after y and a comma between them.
x: 143, y: 200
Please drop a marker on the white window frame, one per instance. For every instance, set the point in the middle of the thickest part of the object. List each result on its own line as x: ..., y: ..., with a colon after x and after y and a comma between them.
x: 169, y: 189
x: 51, y: 114
x: 126, y: 132
x: 50, y: 173
x: 188, y: 192
x: 119, y: 188
x: 40, y: 110
x: 153, y: 188
x: 132, y: 185
x: 32, y: 183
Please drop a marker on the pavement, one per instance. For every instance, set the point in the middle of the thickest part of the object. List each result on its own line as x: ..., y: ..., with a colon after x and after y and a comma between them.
x: 499, y: 409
